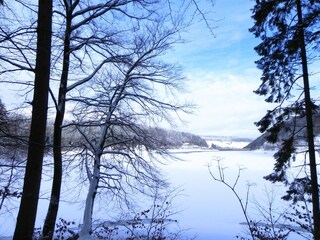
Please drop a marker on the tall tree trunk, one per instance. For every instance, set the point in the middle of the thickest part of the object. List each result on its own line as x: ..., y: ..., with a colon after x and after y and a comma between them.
x: 32, y: 180
x: 49, y: 224
x: 310, y: 132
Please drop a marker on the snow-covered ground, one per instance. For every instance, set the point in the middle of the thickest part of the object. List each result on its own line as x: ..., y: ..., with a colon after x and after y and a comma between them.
x: 207, y: 209
x: 226, y: 142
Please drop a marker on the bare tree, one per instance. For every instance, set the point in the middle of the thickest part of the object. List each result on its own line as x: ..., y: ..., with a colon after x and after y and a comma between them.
x: 114, y: 120
x: 87, y: 45
x: 232, y: 186
x: 155, y: 222
x: 271, y: 224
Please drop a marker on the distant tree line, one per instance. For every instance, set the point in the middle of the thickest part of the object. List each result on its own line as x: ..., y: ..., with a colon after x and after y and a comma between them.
x: 14, y: 129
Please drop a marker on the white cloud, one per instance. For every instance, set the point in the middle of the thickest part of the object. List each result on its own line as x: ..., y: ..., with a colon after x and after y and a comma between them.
x: 221, y: 74
x: 226, y: 104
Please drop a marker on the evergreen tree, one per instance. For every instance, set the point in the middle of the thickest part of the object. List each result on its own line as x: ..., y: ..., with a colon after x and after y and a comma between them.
x: 287, y: 29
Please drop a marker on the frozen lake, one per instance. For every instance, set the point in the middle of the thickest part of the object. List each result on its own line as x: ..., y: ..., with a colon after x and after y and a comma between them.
x: 211, y: 210
x: 207, y: 209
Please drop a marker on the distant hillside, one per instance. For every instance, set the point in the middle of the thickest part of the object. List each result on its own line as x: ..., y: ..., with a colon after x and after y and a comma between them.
x: 175, y: 139
x: 300, y: 137
x: 261, y: 143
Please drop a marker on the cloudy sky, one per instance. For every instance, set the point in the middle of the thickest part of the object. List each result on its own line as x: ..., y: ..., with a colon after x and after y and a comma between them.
x: 221, y: 74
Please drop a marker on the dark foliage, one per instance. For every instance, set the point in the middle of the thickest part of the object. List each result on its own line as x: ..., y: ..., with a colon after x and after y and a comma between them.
x: 64, y: 230
x: 280, y: 62
x: 289, y: 35
x: 298, y: 189
x: 266, y: 232
x: 301, y: 216
x: 282, y: 162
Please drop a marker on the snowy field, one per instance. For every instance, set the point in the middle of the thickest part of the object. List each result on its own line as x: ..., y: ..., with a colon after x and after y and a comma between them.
x: 207, y: 209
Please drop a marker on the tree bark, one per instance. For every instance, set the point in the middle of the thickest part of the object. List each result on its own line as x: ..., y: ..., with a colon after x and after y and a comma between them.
x: 32, y: 180
x: 310, y: 131
x: 49, y: 224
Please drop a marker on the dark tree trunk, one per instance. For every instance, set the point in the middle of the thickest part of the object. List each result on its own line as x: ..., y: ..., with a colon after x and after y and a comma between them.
x: 32, y: 180
x: 50, y: 220
x: 49, y: 224
x: 312, y: 157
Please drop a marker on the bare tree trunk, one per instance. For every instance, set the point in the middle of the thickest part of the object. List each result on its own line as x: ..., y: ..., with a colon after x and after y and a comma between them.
x: 310, y: 131
x: 32, y: 180
x: 86, y: 229
x: 49, y: 224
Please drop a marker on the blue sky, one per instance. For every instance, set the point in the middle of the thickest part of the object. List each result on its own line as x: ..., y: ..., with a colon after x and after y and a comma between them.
x: 221, y: 73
